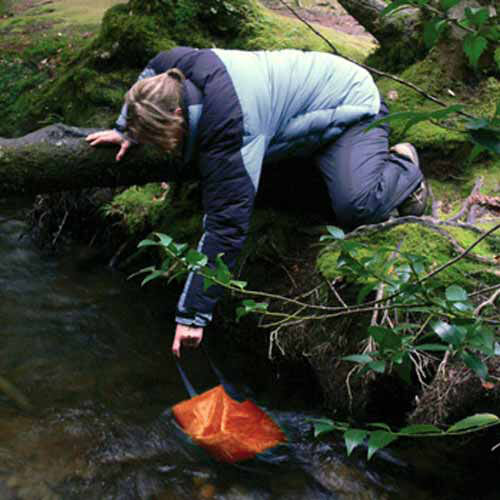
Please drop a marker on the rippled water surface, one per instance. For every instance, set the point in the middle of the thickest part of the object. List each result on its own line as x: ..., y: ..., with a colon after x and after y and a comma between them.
x: 88, y: 351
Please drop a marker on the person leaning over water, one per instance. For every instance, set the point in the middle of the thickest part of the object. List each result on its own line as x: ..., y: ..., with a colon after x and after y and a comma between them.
x: 229, y: 111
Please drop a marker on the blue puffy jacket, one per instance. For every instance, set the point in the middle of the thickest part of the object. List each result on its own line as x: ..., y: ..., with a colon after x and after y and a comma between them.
x: 245, y: 108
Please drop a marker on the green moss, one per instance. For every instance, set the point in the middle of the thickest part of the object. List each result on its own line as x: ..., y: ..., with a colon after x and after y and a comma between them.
x: 444, y: 149
x: 270, y: 31
x: 418, y: 240
x: 4, y: 6
x: 138, y: 207
x: 141, y: 209
x: 126, y: 40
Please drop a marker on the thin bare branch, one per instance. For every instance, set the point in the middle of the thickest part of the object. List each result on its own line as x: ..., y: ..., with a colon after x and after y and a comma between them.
x: 463, y: 210
x: 489, y: 302
x: 377, y: 72
x: 310, y: 26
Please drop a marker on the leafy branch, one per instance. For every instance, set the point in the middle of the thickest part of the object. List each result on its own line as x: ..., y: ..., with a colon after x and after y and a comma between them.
x: 404, y: 276
x: 380, y: 435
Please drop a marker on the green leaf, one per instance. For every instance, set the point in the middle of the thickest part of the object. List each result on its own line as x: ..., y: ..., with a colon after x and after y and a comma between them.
x: 248, y: 306
x: 377, y: 366
x: 432, y: 31
x: 358, y: 358
x: 441, y: 328
x: 379, y: 440
x: 152, y: 276
x: 462, y: 306
x: 165, y: 240
x: 482, y: 338
x: 476, y: 151
x: 432, y: 347
x: 240, y: 312
x: 144, y: 270
x: 240, y: 284
x: 147, y: 243
x: 323, y: 426
x: 196, y: 259
x: 497, y: 348
x: 413, y: 117
x: 477, y: 16
x: 177, y: 248
x: 474, y: 46
x: 455, y: 293
x: 448, y: 333
x: 380, y: 425
x: 475, y: 364
x: 336, y: 232
x: 419, y: 429
x: 477, y: 420
x: 208, y: 279
x: 386, y: 338
x: 448, y: 4
x: 352, y: 246
x: 353, y: 438
x: 488, y: 138
x: 222, y: 272
x: 396, y: 4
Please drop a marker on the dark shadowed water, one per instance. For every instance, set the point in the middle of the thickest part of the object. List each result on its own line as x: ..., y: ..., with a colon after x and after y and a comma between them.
x: 90, y: 353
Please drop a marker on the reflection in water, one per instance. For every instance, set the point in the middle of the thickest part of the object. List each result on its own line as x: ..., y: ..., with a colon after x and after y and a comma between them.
x: 90, y: 351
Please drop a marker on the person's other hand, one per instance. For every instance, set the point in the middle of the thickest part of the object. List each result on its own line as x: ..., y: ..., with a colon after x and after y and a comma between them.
x: 109, y: 137
x: 187, y: 336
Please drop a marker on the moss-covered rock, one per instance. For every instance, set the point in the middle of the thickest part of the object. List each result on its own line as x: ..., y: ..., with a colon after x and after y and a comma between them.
x: 419, y: 240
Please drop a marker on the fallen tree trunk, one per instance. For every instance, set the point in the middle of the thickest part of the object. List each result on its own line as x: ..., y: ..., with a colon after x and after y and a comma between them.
x: 57, y: 158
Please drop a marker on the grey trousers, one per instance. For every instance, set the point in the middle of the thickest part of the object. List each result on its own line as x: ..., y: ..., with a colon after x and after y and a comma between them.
x: 364, y: 180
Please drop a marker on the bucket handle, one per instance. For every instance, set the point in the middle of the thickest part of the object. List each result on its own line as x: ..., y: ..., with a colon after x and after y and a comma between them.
x: 228, y: 387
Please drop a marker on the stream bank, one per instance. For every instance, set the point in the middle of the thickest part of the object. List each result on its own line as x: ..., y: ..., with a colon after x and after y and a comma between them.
x: 89, y: 350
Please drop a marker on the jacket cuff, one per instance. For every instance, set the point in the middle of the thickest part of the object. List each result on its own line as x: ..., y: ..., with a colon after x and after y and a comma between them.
x: 197, y: 319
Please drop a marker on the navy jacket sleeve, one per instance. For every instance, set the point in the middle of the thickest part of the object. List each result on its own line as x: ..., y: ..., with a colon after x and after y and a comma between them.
x: 228, y: 197
x: 226, y: 156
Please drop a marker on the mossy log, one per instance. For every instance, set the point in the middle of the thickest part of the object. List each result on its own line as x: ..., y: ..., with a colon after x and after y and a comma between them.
x: 368, y: 14
x: 57, y: 158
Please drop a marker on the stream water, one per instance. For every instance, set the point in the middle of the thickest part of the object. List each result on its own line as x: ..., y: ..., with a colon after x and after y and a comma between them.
x: 90, y: 352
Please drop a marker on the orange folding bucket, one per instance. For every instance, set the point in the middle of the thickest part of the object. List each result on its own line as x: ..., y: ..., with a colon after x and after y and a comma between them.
x: 229, y: 430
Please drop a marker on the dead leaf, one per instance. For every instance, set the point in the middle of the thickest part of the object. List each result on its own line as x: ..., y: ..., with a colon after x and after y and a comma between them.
x: 488, y: 385
x: 392, y: 95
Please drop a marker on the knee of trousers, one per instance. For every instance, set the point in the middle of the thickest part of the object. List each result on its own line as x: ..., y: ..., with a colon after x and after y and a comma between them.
x: 351, y: 214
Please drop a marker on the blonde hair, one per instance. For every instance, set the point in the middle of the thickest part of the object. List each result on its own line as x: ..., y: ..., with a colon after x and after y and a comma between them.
x: 151, y: 114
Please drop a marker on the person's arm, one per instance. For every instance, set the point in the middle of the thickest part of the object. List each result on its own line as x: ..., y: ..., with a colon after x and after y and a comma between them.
x: 228, y: 197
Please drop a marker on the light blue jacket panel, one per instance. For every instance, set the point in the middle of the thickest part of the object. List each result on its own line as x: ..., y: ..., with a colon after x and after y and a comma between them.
x: 294, y: 101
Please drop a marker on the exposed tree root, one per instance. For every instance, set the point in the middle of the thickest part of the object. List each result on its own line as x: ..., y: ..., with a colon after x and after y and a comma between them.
x: 455, y: 392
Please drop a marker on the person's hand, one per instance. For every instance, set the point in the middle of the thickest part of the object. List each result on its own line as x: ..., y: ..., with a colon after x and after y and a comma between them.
x: 109, y: 137
x: 187, y: 336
